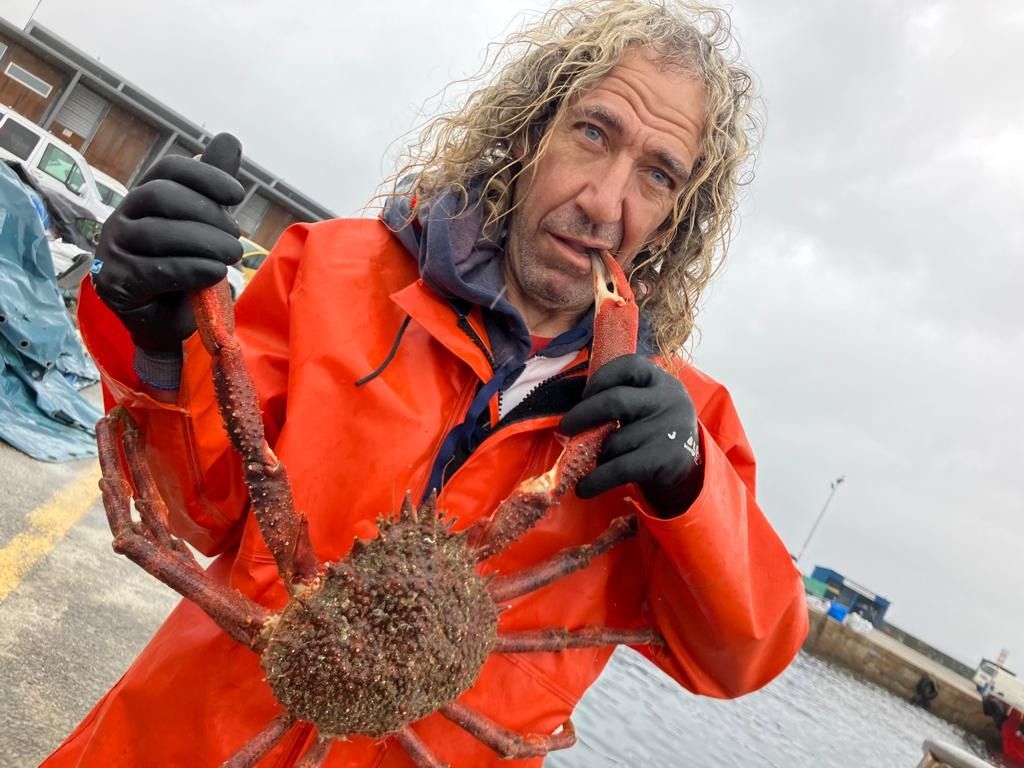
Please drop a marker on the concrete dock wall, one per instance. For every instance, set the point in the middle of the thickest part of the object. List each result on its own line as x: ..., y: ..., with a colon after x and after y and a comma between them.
x: 931, y: 652
x: 884, y: 661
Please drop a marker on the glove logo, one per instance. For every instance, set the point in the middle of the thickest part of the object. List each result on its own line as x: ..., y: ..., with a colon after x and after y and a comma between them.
x: 672, y: 435
x: 693, y: 447
x: 97, y: 265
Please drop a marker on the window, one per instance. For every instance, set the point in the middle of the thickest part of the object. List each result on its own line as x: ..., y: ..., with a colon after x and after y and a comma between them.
x: 251, y: 213
x: 17, y: 139
x: 76, y: 180
x: 3, y: 50
x: 30, y: 81
x: 109, y: 196
x: 59, y: 164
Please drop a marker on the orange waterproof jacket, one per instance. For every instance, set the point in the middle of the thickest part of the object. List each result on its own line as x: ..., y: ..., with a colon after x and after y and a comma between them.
x: 716, y: 582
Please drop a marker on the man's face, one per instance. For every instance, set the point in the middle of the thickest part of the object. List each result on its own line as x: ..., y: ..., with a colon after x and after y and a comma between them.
x: 617, y: 161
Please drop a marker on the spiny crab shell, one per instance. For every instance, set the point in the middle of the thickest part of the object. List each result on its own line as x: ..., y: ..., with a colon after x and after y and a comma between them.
x: 386, y: 636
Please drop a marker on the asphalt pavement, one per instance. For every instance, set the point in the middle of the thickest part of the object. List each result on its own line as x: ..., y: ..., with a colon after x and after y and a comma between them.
x: 73, y: 614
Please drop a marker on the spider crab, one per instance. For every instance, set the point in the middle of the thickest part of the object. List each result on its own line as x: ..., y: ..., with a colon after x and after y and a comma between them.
x: 400, y: 627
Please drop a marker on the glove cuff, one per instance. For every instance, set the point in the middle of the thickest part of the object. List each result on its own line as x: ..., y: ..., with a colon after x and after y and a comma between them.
x: 159, y: 370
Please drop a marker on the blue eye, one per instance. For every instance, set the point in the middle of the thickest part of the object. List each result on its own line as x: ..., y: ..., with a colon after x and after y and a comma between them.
x: 660, y: 177
x: 592, y: 133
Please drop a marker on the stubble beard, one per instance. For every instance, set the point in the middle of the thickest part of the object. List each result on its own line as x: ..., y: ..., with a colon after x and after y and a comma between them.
x: 541, y: 281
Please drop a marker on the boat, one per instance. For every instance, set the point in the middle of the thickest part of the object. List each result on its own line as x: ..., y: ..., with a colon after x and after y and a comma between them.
x: 940, y: 755
x: 1002, y: 699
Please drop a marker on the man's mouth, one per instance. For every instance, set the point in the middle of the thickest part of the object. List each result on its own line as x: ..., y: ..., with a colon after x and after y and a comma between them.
x: 582, y: 248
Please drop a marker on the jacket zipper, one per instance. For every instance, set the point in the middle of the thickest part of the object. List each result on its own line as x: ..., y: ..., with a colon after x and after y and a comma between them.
x: 467, y: 328
x: 465, y: 398
x: 458, y: 413
x: 568, y: 372
x: 574, y: 370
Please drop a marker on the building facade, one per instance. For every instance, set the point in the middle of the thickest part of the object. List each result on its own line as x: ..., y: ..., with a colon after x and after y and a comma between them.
x: 121, y: 130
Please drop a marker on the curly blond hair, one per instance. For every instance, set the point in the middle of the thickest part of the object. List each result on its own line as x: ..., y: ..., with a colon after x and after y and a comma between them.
x: 537, y: 72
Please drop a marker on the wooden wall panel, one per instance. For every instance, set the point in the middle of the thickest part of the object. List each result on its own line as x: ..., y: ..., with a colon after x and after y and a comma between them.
x: 274, y: 222
x: 66, y: 135
x: 21, y: 99
x: 121, y: 142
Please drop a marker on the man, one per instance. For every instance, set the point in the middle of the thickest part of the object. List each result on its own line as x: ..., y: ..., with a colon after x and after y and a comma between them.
x: 440, y: 347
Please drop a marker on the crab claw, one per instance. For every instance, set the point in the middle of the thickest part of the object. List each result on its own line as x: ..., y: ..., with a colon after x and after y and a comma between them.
x: 616, y: 320
x: 616, y: 324
x: 609, y: 279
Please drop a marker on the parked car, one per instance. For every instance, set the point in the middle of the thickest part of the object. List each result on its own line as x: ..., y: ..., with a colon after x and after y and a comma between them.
x: 112, y: 191
x: 253, y: 255
x: 54, y: 164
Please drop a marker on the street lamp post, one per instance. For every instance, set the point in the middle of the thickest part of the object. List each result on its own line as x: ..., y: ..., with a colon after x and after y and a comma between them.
x: 34, y: 10
x: 832, y: 492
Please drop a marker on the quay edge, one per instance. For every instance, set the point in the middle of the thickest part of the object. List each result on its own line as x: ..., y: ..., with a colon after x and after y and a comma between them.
x: 880, y: 659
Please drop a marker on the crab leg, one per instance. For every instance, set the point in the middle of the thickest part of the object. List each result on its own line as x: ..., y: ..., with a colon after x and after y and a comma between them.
x: 236, y: 614
x: 259, y: 745
x: 417, y: 750
x: 508, y: 744
x: 150, y: 506
x: 616, y: 321
x: 284, y: 530
x: 569, y: 560
x: 558, y: 639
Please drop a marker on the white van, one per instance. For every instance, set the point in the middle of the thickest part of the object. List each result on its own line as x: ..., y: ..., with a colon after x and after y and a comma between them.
x: 112, y: 191
x: 55, y: 165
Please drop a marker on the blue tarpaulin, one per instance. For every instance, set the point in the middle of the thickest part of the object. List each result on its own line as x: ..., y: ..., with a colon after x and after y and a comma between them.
x: 42, y: 362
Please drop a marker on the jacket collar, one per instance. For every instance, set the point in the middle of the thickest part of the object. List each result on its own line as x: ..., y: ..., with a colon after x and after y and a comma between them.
x: 461, y: 334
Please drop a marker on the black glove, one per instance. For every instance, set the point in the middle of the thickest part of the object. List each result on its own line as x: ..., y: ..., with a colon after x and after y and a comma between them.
x: 656, y: 444
x: 171, y: 235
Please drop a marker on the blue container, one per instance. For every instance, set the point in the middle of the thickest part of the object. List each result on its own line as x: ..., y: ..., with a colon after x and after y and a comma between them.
x: 838, y: 612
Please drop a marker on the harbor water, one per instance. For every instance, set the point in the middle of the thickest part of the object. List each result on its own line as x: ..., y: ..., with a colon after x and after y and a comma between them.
x: 815, y: 715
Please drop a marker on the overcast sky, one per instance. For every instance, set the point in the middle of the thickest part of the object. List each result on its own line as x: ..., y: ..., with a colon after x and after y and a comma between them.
x: 868, y: 323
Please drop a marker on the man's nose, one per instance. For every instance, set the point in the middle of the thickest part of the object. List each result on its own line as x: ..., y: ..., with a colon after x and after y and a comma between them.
x: 603, y: 196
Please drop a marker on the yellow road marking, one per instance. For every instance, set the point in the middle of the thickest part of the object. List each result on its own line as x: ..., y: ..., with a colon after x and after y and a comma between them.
x: 47, y: 525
